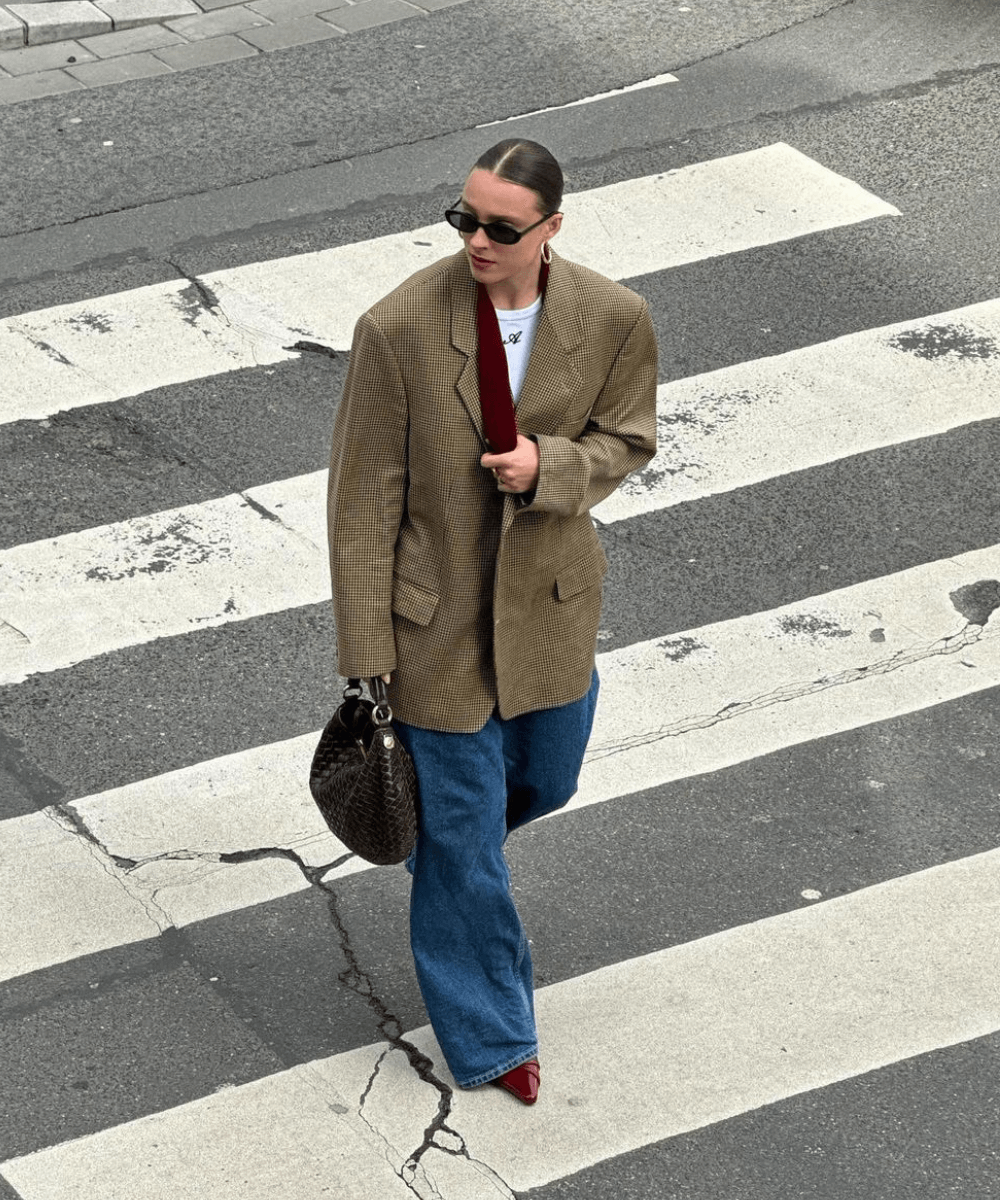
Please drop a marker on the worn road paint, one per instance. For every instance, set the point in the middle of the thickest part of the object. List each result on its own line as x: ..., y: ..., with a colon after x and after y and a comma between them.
x: 772, y: 416
x: 82, y: 594
x: 712, y: 697
x: 97, y: 351
x: 215, y: 562
x: 743, y: 1018
x: 121, y: 345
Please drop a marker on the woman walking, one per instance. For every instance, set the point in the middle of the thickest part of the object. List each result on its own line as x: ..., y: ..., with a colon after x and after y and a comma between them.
x: 467, y: 571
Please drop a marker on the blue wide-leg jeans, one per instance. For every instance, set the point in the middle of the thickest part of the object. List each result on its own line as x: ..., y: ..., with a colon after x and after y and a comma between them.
x: 469, y: 946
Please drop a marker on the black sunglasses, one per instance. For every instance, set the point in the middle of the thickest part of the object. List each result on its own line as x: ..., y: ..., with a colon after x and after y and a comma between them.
x: 496, y: 231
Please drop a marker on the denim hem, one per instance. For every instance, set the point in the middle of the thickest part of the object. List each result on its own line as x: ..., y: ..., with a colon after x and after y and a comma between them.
x: 518, y: 1060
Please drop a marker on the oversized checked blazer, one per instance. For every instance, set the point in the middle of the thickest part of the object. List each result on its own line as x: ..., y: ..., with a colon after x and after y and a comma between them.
x: 475, y: 598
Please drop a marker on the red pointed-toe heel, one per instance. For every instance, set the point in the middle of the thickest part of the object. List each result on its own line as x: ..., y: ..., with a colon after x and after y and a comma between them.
x: 521, y: 1081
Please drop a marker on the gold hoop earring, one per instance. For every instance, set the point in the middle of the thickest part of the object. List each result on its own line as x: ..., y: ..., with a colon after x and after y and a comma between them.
x: 546, y: 252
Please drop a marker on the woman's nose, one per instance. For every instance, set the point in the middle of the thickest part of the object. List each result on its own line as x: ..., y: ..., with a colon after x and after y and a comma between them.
x: 479, y: 240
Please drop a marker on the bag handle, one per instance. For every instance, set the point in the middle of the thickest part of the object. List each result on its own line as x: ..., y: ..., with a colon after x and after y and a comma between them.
x: 381, y: 713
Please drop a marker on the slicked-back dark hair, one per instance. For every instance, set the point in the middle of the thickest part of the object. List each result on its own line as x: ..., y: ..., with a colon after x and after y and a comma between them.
x: 529, y: 164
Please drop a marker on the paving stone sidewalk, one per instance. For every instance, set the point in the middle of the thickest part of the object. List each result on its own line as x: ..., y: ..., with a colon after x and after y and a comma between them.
x: 53, y: 46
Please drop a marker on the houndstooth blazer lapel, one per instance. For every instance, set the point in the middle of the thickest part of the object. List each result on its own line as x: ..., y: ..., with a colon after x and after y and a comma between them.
x: 465, y: 338
x: 553, y: 379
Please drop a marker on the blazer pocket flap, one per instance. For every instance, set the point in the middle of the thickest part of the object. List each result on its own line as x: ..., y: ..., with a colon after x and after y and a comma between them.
x: 584, y: 574
x: 413, y: 602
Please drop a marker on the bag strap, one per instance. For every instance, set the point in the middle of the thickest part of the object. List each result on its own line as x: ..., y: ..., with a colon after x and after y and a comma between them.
x: 381, y: 713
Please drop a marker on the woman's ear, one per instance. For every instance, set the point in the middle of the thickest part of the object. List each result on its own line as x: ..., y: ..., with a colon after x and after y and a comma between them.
x: 554, y: 225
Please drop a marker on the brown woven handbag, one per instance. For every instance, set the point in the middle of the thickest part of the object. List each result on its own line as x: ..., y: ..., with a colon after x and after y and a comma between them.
x: 363, y: 780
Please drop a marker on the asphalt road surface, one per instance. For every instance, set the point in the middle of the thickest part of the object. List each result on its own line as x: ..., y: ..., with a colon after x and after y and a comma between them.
x: 765, y: 930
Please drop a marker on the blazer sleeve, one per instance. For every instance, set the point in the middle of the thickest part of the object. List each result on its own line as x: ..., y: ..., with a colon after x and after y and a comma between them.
x: 620, y: 436
x: 366, y: 497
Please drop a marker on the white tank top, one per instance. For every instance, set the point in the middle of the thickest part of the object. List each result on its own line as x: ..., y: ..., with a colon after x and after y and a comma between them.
x: 517, y: 332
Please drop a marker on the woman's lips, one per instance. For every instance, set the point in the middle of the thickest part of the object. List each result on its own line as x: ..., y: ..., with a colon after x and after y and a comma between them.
x: 482, y: 263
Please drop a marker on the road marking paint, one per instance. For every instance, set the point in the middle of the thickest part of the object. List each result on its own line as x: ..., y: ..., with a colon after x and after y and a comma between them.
x: 210, y: 563
x: 62, y: 896
x: 198, y: 1150
x: 743, y: 1018
x: 710, y: 698
x: 772, y: 416
x: 623, y: 230
x: 656, y: 81
x: 69, y: 598
x: 101, y: 350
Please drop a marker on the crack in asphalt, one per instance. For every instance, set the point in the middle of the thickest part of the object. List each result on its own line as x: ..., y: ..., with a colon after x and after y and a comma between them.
x: 70, y: 821
x: 213, y: 306
x: 20, y: 632
x: 969, y: 635
x: 408, y: 1167
x: 411, y: 1171
x: 250, y: 336
x: 208, y: 298
x: 19, y: 329
x: 47, y: 349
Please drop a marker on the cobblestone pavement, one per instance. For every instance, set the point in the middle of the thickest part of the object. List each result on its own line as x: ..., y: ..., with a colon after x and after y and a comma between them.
x: 53, y: 46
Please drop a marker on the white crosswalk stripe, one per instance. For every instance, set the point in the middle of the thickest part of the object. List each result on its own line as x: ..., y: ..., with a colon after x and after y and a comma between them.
x: 207, y: 564
x: 711, y: 697
x: 856, y: 393
x: 98, y: 351
x: 744, y: 1017
x: 80, y: 595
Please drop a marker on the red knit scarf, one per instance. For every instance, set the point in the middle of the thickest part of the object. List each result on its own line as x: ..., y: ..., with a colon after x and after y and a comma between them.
x: 499, y: 422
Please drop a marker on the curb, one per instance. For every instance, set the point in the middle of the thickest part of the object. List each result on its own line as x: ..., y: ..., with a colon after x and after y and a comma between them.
x: 43, y: 21
x: 32, y: 23
x: 61, y: 46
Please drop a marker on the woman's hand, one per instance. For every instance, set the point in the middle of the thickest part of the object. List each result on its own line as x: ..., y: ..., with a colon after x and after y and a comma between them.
x: 517, y: 470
